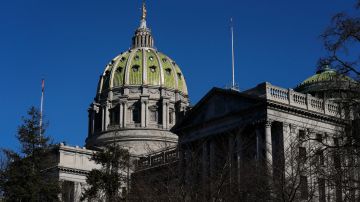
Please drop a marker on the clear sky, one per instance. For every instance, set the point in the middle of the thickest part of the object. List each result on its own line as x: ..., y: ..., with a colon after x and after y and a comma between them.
x: 69, y: 42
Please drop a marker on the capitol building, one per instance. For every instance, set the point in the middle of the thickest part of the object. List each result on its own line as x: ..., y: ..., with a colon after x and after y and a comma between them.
x: 251, y: 145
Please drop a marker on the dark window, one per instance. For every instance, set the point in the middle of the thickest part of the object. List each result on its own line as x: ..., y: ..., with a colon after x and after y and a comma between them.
x: 135, y: 68
x: 114, y: 115
x: 179, y: 75
x: 98, y: 121
x: 302, y: 135
x: 322, y: 196
x: 136, y: 114
x: 319, y: 137
x: 302, y: 154
x: 119, y: 69
x: 168, y: 71
x: 153, y: 68
x: 303, y: 188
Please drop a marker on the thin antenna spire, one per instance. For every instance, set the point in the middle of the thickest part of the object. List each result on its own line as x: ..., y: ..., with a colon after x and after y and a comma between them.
x: 144, y: 11
x: 41, y: 105
x: 232, y: 54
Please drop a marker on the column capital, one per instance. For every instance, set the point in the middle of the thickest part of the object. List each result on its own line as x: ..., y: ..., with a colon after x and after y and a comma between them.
x: 268, y: 123
x: 293, y: 128
x: 123, y: 101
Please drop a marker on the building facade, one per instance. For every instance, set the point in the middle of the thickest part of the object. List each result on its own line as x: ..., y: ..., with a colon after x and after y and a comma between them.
x: 261, y: 144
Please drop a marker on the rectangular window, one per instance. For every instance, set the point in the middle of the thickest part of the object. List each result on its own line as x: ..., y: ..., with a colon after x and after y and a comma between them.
x: 302, y: 154
x: 319, y: 137
x: 302, y: 135
x: 321, y: 157
x: 303, y: 188
x: 153, y: 117
x: 322, y: 196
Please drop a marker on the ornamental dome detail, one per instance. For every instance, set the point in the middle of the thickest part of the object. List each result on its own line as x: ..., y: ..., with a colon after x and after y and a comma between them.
x: 143, y: 66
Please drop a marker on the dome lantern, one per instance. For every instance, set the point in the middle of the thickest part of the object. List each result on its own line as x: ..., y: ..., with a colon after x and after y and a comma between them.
x: 142, y: 36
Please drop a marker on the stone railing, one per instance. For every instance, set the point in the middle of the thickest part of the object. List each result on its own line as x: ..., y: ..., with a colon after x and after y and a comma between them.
x: 157, y: 158
x: 304, y: 101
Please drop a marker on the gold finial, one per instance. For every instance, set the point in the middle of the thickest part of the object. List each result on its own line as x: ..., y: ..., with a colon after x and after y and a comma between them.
x: 143, y: 11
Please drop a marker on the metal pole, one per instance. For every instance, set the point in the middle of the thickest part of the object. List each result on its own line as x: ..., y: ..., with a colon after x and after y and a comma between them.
x: 232, y: 54
x: 41, y: 105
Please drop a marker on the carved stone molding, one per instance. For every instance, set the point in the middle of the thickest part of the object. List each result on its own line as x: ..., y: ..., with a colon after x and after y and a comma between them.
x: 268, y: 123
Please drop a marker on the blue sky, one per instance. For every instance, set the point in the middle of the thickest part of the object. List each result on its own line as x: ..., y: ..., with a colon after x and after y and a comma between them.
x: 69, y: 42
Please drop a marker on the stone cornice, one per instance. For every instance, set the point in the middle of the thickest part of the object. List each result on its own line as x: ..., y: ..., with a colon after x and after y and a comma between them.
x: 303, y: 112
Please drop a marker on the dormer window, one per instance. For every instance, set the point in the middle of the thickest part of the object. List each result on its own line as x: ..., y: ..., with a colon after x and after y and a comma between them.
x: 122, y: 59
x: 164, y: 60
x: 119, y: 69
x: 151, y: 58
x: 179, y: 75
x: 137, y: 57
x: 153, y: 69
x: 135, y: 68
x: 168, y: 71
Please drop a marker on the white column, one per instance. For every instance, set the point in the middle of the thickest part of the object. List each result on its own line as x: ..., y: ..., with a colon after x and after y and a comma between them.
x: 77, y: 191
x: 93, y: 121
x: 164, y: 113
x: 121, y: 114
x: 102, y: 118
x: 167, y: 114
x: 143, y: 114
x: 107, y: 115
x: 268, y: 147
x: 146, y: 113
x: 125, y: 110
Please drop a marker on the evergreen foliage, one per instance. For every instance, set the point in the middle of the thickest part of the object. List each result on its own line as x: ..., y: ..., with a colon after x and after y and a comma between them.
x: 23, y: 175
x: 107, y: 181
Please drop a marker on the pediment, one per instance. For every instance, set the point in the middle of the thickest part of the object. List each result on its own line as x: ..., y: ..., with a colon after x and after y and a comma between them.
x: 216, y: 104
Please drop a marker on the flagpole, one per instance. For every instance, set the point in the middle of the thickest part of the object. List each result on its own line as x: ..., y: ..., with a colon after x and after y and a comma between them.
x: 41, y: 104
x: 232, y: 54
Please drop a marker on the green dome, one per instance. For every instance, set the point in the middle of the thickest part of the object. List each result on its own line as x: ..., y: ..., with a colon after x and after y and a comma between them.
x: 326, y: 75
x: 143, y: 66
x: 326, y: 79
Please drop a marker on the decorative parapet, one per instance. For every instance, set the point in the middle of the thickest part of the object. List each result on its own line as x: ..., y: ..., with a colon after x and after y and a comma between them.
x: 304, y: 101
x: 159, y: 158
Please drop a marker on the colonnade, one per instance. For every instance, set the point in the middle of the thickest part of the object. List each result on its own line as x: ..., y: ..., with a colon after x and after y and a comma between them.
x: 124, y: 112
x: 272, y: 138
